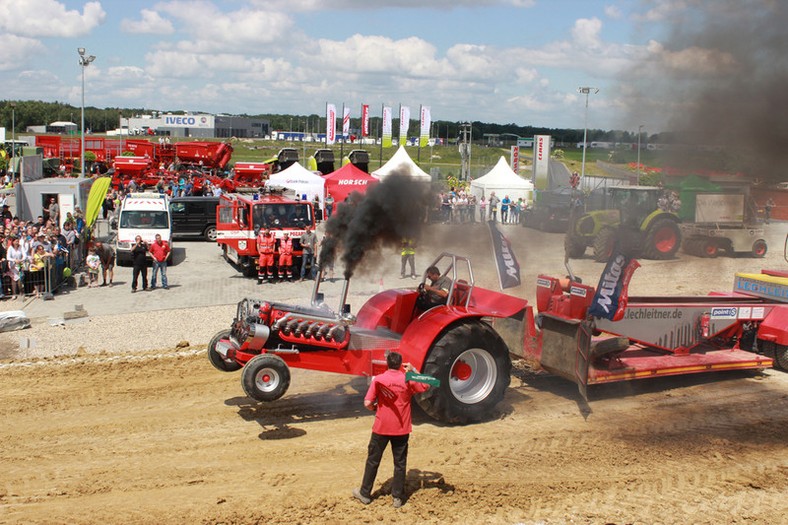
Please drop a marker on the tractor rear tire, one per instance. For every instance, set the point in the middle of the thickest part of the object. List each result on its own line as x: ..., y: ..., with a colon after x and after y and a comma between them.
x: 781, y: 357
x: 265, y: 377
x: 663, y: 240
x: 603, y: 244
x: 473, y: 365
x: 574, y: 248
x: 215, y: 357
x: 759, y: 248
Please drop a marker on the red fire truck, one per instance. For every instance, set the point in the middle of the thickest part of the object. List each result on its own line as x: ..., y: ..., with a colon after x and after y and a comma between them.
x: 239, y: 217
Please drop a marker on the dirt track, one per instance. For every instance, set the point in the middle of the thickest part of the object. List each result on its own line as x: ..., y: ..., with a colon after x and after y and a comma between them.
x: 164, y: 438
x: 161, y: 437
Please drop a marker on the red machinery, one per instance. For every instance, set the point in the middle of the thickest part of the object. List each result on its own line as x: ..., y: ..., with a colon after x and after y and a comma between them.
x: 239, y: 217
x: 464, y: 342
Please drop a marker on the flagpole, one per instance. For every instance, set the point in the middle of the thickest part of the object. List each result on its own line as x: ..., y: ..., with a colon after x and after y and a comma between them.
x: 342, y: 142
x: 382, y: 107
x: 421, y: 116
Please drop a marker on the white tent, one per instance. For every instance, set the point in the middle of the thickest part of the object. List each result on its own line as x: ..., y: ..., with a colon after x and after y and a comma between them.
x: 300, y: 180
x: 402, y: 164
x: 503, y: 181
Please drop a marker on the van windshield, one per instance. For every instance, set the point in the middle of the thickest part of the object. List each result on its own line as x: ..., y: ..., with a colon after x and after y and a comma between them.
x: 144, y: 219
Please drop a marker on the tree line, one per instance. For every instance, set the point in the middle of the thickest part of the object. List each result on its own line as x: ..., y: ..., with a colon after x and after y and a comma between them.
x: 99, y: 120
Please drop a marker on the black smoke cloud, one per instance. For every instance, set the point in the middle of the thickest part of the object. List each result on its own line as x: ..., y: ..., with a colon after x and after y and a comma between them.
x: 388, y: 212
x: 721, y: 75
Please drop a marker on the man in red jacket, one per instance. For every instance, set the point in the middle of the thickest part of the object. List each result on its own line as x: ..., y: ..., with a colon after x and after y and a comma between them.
x: 389, y: 397
x: 286, y: 257
x: 159, y: 251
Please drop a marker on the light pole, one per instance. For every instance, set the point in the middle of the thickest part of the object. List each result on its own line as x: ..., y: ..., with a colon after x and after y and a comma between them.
x: 84, y: 61
x: 13, y: 141
x: 640, y: 127
x: 465, y: 150
x: 585, y: 91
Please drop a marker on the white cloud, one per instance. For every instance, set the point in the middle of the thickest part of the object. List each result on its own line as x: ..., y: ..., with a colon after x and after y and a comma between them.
x: 614, y: 12
x: 48, y: 18
x: 17, y: 51
x: 151, y: 23
x: 586, y: 31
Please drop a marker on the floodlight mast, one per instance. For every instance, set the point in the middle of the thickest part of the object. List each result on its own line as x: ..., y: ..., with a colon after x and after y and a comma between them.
x: 640, y: 128
x: 84, y: 61
x: 585, y: 91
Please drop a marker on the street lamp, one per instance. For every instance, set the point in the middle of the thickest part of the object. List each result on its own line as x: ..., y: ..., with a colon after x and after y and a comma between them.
x: 585, y: 91
x: 13, y: 141
x: 84, y: 61
x: 640, y: 127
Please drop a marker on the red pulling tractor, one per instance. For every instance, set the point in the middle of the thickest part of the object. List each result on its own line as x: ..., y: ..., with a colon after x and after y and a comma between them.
x: 466, y: 343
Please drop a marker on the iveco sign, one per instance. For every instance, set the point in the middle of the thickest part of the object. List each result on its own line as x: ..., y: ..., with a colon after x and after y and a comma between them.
x: 187, y: 121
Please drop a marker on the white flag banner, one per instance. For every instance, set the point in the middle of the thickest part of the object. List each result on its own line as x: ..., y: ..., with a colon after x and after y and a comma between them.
x: 386, y: 138
x: 331, y: 124
x: 346, y: 123
x: 424, y: 132
x: 404, y: 124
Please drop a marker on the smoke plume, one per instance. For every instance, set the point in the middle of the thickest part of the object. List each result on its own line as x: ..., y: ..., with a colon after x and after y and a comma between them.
x: 721, y: 77
x: 388, y: 212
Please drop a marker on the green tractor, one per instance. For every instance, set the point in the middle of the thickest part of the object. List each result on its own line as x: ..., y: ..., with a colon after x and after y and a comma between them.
x: 636, y: 218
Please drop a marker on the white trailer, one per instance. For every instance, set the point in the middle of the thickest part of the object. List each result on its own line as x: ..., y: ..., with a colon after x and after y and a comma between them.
x: 721, y: 225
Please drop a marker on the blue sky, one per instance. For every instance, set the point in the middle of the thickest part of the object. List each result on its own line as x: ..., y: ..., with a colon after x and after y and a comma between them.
x: 503, y: 61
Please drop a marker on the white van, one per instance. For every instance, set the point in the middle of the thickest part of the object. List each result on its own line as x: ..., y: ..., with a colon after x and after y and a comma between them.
x: 144, y: 214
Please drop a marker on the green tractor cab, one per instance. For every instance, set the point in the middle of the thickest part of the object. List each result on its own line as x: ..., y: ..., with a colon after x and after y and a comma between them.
x: 637, y: 218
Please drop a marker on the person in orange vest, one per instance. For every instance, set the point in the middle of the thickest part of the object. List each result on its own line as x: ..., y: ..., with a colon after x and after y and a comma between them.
x: 286, y: 257
x: 266, y: 245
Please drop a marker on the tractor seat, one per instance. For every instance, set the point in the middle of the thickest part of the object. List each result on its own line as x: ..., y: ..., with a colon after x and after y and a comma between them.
x: 461, y: 292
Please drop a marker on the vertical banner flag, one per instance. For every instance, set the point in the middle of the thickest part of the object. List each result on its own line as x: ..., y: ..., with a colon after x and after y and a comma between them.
x: 424, y: 130
x: 541, y: 161
x: 331, y: 124
x: 516, y: 159
x: 505, y: 261
x: 346, y: 123
x: 404, y: 124
x: 364, y: 120
x: 611, y: 297
x: 386, y: 142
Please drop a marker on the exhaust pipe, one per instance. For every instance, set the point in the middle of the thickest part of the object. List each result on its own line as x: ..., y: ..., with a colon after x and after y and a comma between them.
x: 343, y: 298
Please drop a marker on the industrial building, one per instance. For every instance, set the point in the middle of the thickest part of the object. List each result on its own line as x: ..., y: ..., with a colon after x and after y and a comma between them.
x: 197, y: 125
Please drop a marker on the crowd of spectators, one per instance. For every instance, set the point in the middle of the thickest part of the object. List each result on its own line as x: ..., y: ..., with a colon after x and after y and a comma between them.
x: 459, y: 207
x: 35, y: 254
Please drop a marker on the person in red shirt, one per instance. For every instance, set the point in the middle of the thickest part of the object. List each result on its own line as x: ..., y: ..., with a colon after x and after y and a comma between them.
x: 159, y: 251
x: 389, y: 397
x: 286, y: 257
x: 266, y: 243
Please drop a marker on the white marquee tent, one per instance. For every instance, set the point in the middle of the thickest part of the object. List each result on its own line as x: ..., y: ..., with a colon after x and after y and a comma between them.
x: 503, y: 181
x: 401, y: 163
x: 300, y: 180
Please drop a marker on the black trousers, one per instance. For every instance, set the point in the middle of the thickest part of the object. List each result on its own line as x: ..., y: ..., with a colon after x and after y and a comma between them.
x: 399, y: 449
x: 135, y: 275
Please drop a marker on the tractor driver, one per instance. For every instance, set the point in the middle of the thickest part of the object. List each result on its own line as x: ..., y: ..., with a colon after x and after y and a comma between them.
x: 436, y: 293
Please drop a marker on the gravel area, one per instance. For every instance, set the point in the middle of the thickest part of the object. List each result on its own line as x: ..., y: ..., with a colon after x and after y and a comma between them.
x: 138, y: 331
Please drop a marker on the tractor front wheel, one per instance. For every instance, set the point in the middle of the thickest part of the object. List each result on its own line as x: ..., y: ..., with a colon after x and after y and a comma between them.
x: 216, y: 358
x: 663, y: 239
x: 473, y: 365
x: 603, y: 244
x: 574, y: 248
x: 265, y: 377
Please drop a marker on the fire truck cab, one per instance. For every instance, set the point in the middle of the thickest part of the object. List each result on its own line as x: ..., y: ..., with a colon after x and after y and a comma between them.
x: 240, y: 217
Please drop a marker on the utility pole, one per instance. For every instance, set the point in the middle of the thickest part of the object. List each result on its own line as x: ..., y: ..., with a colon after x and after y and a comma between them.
x: 84, y: 61
x: 585, y: 91
x: 640, y: 127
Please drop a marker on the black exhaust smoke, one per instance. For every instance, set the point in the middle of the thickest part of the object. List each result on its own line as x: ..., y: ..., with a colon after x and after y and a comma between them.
x: 721, y: 76
x: 388, y: 212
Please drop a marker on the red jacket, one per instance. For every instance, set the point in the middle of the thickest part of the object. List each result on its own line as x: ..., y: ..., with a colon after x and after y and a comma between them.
x: 159, y: 252
x: 266, y: 243
x: 393, y: 393
x: 286, y: 246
